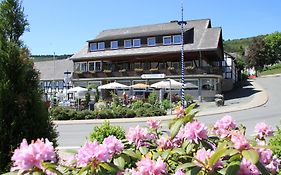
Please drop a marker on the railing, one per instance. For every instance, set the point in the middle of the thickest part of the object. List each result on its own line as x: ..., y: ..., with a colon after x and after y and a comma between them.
x: 137, y: 71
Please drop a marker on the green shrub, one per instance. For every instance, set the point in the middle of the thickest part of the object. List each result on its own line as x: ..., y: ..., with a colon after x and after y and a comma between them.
x: 137, y: 104
x: 165, y: 104
x: 275, y: 142
x: 62, y: 113
x: 105, y: 114
x: 105, y: 130
x: 152, y: 98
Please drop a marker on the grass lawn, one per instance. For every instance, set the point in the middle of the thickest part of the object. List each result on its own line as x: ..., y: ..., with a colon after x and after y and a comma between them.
x: 275, y: 70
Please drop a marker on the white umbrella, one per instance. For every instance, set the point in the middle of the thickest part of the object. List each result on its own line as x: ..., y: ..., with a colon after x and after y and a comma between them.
x: 113, y: 85
x: 169, y: 83
x: 77, y: 89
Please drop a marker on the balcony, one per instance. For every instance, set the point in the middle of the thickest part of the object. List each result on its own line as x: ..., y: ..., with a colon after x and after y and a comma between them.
x: 139, y: 71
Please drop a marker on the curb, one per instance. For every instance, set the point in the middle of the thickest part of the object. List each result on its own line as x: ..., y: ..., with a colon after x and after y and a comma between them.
x: 260, y: 98
x: 273, y: 75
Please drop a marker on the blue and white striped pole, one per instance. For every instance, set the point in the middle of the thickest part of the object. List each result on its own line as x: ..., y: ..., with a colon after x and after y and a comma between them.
x: 182, y: 22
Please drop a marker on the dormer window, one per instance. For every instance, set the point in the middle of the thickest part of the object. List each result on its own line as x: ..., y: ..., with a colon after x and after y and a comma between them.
x: 128, y: 43
x: 177, y: 39
x: 93, y: 47
x: 167, y: 40
x: 136, y: 42
x: 151, y: 41
x: 101, y: 46
x: 114, y: 44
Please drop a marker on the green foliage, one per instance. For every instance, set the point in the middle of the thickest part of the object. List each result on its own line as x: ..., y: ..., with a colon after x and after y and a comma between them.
x: 137, y: 104
x: 13, y: 22
x: 105, y: 130
x: 238, y: 45
x: 275, y: 143
x: 22, y: 112
x: 152, y: 98
x: 273, y: 47
x: 166, y: 104
x: 115, y: 100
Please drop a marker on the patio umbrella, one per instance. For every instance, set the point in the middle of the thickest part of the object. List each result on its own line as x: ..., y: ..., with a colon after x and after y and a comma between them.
x: 169, y: 83
x: 140, y: 86
x: 77, y: 89
x: 113, y: 85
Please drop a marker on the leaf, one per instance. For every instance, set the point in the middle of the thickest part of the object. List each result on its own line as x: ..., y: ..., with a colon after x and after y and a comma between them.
x: 194, y: 171
x: 176, y: 127
x: 143, y: 150
x: 189, y: 148
x: 109, y: 167
x: 131, y: 153
x: 216, y: 156
x: 233, y: 168
x: 185, y: 166
x: 180, y: 151
x: 10, y: 173
x: 262, y: 169
x: 251, y: 155
x: 120, y: 162
x: 84, y: 169
x: 165, y: 154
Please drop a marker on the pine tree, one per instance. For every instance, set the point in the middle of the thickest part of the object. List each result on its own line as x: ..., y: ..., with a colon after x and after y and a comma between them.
x: 22, y: 112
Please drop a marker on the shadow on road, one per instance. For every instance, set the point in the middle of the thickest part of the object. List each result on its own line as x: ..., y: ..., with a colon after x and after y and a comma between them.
x: 245, y: 89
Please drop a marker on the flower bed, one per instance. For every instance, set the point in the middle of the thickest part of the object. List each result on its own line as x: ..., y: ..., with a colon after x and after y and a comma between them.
x: 189, y: 148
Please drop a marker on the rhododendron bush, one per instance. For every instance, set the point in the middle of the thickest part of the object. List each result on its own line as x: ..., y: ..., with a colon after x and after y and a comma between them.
x: 189, y: 147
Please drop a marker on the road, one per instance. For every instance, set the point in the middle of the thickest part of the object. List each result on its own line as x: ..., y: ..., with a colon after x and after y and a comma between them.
x: 75, y: 135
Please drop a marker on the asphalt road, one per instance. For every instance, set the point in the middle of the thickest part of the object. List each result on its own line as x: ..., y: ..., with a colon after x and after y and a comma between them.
x: 75, y: 135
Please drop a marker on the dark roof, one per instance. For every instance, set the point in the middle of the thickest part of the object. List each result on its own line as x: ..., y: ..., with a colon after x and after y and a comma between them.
x: 205, y: 39
x: 140, y: 31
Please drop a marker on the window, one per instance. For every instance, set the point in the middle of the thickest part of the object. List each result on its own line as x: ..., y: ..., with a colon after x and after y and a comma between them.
x: 101, y: 46
x: 136, y: 43
x: 91, y: 66
x: 93, y: 47
x: 127, y: 43
x: 76, y: 67
x: 151, y: 41
x: 114, y: 44
x: 98, y: 66
x: 176, y: 39
x: 167, y: 40
x: 83, y: 66
x: 95, y: 66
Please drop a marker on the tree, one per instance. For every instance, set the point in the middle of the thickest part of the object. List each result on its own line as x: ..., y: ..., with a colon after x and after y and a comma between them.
x: 22, y: 112
x: 273, y: 47
x: 255, y: 55
x: 12, y: 20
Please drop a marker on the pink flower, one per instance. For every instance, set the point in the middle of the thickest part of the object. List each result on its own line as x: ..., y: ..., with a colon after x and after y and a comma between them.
x: 179, y: 172
x: 262, y: 130
x: 29, y: 156
x: 273, y: 166
x: 90, y: 151
x: 86, y: 153
x: 153, y: 124
x: 265, y: 155
x: 193, y: 131
x: 203, y: 156
x: 165, y: 143
x: 223, y: 126
x: 179, y: 111
x: 113, y: 144
x: 239, y: 140
x: 146, y: 166
x: 138, y: 135
x: 247, y: 168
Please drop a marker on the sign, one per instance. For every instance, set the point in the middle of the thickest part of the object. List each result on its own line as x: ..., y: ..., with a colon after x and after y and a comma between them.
x: 153, y: 76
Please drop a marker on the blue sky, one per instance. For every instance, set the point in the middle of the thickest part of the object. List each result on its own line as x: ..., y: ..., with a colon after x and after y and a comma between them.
x: 63, y: 26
